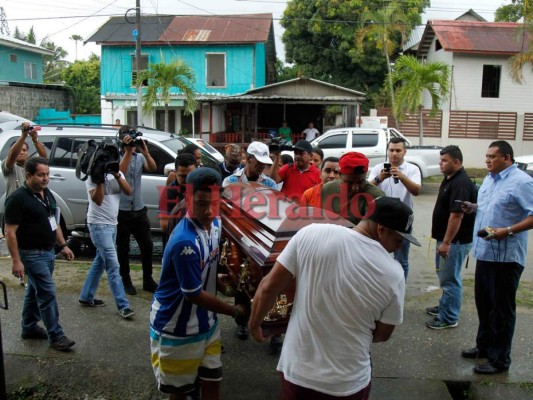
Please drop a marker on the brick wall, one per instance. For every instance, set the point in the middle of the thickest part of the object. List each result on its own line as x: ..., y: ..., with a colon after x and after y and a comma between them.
x: 26, y: 101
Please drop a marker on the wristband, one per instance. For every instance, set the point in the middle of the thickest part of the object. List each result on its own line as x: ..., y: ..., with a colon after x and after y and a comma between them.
x: 62, y: 246
x: 509, y: 231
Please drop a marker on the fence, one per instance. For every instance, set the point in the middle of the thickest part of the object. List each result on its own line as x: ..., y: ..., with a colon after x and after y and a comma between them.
x: 409, y: 126
x: 482, y: 125
x: 528, y: 126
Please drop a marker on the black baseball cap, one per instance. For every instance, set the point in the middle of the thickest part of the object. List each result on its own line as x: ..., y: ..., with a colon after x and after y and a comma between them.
x: 393, y: 214
x: 303, y: 145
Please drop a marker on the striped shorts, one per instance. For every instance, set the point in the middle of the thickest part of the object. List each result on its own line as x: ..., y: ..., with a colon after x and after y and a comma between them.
x: 178, y: 361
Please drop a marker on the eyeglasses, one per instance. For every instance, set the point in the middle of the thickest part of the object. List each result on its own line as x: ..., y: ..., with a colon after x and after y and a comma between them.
x: 330, y: 170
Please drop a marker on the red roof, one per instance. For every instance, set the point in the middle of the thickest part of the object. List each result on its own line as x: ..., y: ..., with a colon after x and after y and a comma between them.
x: 218, y: 29
x: 476, y: 37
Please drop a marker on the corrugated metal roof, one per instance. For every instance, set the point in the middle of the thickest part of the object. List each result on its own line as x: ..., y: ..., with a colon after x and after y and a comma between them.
x: 476, y: 37
x: 188, y: 29
x: 303, y: 81
x: 21, y: 44
x: 414, y: 38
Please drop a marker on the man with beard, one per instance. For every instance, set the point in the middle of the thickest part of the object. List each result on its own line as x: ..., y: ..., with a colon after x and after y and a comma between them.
x: 300, y: 176
x: 349, y: 197
x: 329, y: 171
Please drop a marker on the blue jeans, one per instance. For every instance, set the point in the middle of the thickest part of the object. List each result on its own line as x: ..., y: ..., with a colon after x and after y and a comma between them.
x: 103, y: 237
x: 402, y: 256
x: 40, y: 296
x: 449, y: 273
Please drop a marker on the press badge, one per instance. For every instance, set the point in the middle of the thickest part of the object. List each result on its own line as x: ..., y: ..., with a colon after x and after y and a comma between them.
x: 53, y: 223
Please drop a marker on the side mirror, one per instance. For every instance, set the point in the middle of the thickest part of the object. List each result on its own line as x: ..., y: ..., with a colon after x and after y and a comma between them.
x: 168, y: 169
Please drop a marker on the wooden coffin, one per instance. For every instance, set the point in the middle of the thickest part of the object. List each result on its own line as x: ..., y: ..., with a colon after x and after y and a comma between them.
x: 257, y: 223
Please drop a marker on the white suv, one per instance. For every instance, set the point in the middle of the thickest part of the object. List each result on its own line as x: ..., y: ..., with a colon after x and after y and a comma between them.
x: 62, y: 144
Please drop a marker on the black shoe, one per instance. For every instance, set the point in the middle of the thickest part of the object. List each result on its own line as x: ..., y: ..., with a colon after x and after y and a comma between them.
x: 126, y: 313
x: 129, y: 288
x: 38, y: 333
x: 489, y: 369
x: 242, y: 332
x: 474, y: 352
x: 149, y: 285
x: 62, y: 344
x: 275, y: 344
x: 92, y: 303
x: 433, y: 311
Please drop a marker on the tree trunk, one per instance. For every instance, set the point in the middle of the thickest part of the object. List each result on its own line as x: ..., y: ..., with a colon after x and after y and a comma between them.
x: 166, y: 117
x: 391, y: 88
x: 420, y: 126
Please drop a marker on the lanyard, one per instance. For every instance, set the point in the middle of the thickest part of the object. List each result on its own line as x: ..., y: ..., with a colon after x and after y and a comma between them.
x: 45, y: 203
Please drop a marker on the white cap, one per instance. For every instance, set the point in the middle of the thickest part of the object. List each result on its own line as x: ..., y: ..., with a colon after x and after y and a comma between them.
x: 260, y: 152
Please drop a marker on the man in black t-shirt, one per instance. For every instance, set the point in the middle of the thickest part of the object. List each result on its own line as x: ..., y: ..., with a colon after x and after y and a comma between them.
x: 32, y: 228
x: 453, y: 231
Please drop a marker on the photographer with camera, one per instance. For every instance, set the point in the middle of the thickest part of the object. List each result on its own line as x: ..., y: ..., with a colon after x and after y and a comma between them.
x: 13, y: 165
x: 401, y: 179
x: 133, y: 214
x: 104, y: 186
x: 504, y: 208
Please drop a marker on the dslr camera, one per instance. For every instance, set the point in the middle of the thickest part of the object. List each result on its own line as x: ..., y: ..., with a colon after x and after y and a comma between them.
x: 276, y: 144
x: 135, y: 135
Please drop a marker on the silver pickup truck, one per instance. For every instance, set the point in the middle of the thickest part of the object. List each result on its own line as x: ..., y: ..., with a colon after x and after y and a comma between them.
x: 372, y: 142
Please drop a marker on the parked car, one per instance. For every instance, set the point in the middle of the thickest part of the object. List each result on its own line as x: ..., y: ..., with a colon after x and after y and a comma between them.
x: 10, y: 121
x: 62, y: 144
x: 372, y: 142
x: 206, y: 147
x: 525, y: 163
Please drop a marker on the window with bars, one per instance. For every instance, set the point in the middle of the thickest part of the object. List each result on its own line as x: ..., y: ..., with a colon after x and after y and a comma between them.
x: 13, y: 58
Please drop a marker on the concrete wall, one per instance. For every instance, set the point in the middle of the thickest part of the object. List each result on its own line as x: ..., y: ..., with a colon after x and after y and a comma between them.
x: 27, y: 101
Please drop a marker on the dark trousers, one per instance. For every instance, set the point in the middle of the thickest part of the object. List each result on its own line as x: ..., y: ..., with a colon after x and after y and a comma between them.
x: 495, y: 291
x: 134, y: 223
x: 290, y: 391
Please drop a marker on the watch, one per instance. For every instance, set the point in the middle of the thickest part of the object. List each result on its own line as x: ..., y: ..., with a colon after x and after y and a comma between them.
x: 509, y: 231
x: 376, y: 179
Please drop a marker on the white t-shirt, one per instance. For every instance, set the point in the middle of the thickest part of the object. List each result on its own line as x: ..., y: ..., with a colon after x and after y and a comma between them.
x: 398, y: 190
x: 310, y: 133
x: 344, y: 283
x: 107, y: 212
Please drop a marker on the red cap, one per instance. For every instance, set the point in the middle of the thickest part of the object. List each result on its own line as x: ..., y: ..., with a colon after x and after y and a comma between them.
x: 349, y: 162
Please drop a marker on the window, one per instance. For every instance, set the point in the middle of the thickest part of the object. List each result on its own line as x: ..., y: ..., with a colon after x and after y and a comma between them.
x: 161, y: 158
x: 160, y: 120
x: 216, y: 70
x: 13, y: 58
x: 490, y: 86
x: 143, y: 66
x: 334, y: 142
x: 438, y: 46
x: 364, y: 140
x: 30, y: 70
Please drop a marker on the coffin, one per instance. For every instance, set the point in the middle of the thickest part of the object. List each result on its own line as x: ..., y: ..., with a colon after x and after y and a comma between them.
x: 257, y: 223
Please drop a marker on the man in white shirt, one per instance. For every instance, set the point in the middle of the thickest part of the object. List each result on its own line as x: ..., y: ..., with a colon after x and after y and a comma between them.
x: 332, y: 264
x: 311, y: 132
x: 398, y: 179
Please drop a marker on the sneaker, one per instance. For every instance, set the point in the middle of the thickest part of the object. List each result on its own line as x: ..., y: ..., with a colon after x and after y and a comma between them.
x: 149, y: 285
x: 37, y: 333
x: 92, y: 303
x: 436, y: 323
x: 433, y: 311
x: 129, y: 288
x: 126, y: 312
x: 62, y: 344
x: 242, y: 332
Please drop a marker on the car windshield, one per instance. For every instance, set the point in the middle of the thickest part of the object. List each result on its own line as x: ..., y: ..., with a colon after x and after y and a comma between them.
x: 173, y: 144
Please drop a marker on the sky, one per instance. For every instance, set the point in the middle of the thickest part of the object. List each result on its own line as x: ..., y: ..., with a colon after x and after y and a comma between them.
x: 58, y: 20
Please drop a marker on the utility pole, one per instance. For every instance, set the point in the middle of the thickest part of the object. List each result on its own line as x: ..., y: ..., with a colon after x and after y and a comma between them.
x: 138, y: 59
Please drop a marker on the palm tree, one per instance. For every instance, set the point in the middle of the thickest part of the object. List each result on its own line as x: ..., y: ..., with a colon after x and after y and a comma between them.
x: 380, y: 27
x: 162, y: 77
x: 517, y: 62
x: 414, y: 79
x: 76, y: 38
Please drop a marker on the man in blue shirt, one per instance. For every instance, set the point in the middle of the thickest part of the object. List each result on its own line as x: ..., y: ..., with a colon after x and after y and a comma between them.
x: 504, y: 215
x: 184, y: 332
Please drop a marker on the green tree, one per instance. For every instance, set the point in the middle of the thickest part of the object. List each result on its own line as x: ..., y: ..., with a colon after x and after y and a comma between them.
x: 53, y: 65
x: 414, y: 79
x: 516, y: 63
x: 27, y: 37
x: 84, y: 79
x: 380, y: 28
x: 514, y: 11
x: 162, y: 77
x: 321, y: 41
x: 285, y: 72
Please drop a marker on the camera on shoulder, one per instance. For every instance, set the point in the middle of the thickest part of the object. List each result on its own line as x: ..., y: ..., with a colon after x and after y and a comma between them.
x: 276, y: 144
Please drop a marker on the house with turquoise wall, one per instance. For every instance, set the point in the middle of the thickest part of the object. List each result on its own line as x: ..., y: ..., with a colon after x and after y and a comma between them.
x: 21, y: 61
x: 229, y: 55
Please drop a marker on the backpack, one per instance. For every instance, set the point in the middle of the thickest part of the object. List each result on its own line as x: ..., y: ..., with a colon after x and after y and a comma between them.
x: 86, y: 156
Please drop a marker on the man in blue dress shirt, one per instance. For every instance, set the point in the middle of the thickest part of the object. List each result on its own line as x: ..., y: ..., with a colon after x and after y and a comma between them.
x: 504, y: 215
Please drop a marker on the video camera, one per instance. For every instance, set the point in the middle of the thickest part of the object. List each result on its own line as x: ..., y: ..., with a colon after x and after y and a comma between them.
x: 106, y: 160
x: 276, y: 145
